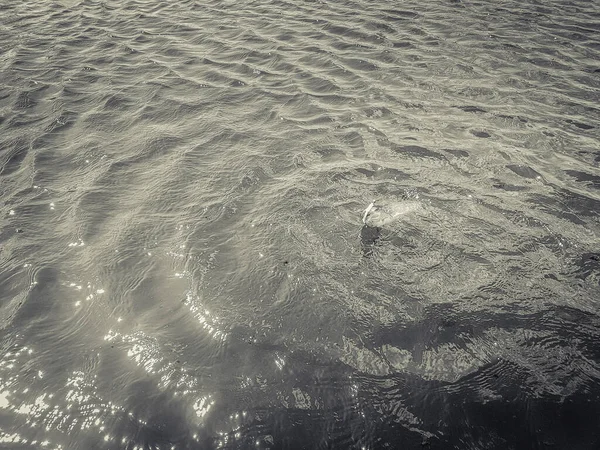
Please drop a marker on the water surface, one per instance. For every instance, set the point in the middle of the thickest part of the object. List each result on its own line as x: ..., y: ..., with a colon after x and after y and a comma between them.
x: 183, y: 259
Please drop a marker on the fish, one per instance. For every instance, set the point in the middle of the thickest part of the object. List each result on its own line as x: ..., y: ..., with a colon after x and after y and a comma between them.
x: 377, y: 216
x: 368, y: 210
x: 380, y: 213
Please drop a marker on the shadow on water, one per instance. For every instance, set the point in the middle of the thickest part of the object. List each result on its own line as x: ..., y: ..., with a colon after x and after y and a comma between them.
x: 489, y: 408
x: 369, y: 238
x: 504, y: 403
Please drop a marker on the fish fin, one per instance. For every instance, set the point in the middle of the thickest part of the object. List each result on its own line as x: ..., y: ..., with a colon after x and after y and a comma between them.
x: 368, y: 210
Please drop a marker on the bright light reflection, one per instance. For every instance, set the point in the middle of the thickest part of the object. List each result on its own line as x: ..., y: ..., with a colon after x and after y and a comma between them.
x: 209, y: 322
x: 147, y: 354
x: 84, y: 409
x: 279, y: 362
x: 203, y: 405
x: 79, y: 406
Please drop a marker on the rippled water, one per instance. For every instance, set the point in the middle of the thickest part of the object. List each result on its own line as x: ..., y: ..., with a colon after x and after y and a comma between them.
x: 183, y: 259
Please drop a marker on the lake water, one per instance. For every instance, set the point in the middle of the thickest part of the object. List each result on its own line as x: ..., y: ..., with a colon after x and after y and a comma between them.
x: 183, y: 260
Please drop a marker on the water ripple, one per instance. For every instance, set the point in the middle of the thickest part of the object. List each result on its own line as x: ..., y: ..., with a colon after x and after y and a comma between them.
x: 184, y: 263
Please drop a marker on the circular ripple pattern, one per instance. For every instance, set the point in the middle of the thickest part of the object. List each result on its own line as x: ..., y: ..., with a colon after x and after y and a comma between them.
x: 183, y: 259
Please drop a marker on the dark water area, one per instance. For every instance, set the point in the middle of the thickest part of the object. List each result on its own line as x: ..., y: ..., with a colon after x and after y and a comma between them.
x: 185, y: 258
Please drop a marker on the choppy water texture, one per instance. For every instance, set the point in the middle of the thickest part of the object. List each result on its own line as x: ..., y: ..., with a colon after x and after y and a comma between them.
x: 183, y: 259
